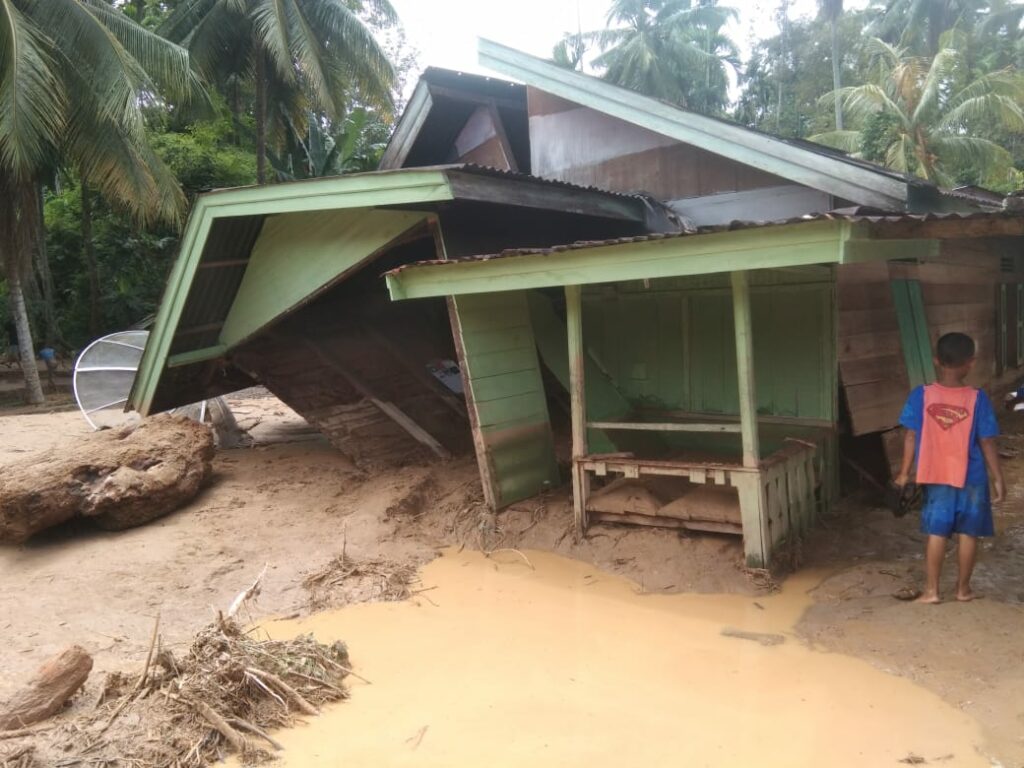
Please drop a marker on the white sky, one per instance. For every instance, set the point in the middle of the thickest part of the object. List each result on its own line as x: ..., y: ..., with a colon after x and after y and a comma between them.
x: 445, y: 31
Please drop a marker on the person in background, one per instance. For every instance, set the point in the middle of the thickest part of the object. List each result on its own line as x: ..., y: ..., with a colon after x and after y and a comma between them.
x: 951, y: 429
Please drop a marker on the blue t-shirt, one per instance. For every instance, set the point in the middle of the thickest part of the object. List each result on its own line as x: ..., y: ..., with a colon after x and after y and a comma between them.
x: 984, y: 425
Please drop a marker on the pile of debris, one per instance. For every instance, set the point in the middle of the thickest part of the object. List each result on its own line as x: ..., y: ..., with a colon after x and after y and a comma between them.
x: 344, y: 580
x: 223, y: 696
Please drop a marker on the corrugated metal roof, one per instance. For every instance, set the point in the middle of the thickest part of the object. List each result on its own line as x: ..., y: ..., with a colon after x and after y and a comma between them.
x: 854, y: 215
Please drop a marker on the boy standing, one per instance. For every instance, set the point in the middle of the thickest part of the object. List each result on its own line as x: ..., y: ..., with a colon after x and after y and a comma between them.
x: 951, y: 429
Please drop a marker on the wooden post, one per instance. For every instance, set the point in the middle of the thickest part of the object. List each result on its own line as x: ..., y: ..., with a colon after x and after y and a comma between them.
x: 745, y: 369
x: 753, y: 501
x: 578, y: 403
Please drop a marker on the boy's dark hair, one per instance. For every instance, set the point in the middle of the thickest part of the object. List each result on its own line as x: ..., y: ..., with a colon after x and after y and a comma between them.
x: 954, y: 349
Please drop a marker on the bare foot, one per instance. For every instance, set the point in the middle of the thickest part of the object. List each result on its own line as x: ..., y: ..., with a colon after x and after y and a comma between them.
x: 966, y: 597
x: 929, y: 597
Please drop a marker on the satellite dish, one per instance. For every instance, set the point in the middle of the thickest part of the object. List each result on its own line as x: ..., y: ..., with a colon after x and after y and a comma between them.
x: 104, y: 374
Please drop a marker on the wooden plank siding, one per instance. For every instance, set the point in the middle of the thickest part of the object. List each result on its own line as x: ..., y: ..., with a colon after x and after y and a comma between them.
x: 505, y: 396
x: 959, y: 287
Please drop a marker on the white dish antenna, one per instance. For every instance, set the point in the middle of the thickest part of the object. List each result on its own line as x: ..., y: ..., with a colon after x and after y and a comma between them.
x: 104, y: 374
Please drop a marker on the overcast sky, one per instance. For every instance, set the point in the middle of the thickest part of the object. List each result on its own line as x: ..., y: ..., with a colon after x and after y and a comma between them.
x: 445, y: 31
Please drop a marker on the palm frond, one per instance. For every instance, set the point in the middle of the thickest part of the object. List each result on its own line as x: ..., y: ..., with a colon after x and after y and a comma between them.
x: 32, y: 97
x: 989, y: 110
x: 270, y: 23
x: 971, y: 151
x: 351, y: 50
x: 124, y: 170
x: 166, y: 63
x: 863, y: 101
x: 310, y: 55
x: 938, y: 75
x: 847, y: 141
x: 180, y: 24
x: 99, y: 59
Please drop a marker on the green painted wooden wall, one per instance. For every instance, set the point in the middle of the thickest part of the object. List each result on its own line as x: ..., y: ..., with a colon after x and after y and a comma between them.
x: 298, y: 254
x: 670, y: 344
x: 506, y: 394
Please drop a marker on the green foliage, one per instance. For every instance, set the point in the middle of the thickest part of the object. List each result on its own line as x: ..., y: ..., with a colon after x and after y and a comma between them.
x: 203, y: 157
x: 929, y: 117
x: 675, y: 50
x: 796, y: 63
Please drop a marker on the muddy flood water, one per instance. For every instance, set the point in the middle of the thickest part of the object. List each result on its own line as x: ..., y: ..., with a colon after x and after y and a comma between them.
x: 560, y: 664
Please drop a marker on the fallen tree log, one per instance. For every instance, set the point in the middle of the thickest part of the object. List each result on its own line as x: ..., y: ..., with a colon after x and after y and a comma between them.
x: 55, y: 682
x: 118, y: 478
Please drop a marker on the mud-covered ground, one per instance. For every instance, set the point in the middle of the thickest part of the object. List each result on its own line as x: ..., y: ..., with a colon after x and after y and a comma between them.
x: 291, y: 502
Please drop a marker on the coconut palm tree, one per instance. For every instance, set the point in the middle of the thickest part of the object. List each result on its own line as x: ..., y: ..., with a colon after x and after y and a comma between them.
x: 832, y: 11
x: 925, y: 121
x: 299, y: 55
x: 666, y: 48
x: 75, y: 79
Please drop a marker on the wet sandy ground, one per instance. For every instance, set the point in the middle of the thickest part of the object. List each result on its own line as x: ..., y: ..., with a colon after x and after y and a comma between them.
x: 291, y: 501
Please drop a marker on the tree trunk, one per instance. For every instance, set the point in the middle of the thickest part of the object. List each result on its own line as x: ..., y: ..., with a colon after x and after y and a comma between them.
x: 51, y: 334
x: 89, y: 249
x: 783, y: 29
x: 26, y: 347
x: 261, y: 118
x: 836, y: 75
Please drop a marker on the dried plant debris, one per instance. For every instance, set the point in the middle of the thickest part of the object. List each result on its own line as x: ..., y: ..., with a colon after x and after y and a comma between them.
x: 222, y: 697
x: 345, y: 580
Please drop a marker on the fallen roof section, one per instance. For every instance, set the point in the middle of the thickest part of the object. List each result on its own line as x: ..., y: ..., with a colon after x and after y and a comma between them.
x: 238, y: 270
x: 836, y: 237
x: 802, y: 162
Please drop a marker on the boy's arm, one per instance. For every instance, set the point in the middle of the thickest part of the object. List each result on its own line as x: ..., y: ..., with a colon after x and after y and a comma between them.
x: 995, y: 471
x: 909, y: 445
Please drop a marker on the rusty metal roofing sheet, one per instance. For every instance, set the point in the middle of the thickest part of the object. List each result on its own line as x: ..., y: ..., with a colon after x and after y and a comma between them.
x: 854, y: 215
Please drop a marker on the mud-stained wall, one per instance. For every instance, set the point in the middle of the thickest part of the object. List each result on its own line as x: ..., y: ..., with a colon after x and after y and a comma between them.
x: 505, y: 395
x: 576, y: 144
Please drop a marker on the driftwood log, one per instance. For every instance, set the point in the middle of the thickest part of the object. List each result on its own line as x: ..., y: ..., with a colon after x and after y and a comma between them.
x: 118, y: 478
x: 55, y: 682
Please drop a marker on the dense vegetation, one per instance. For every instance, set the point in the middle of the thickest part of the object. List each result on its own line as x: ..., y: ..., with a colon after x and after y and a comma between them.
x: 114, y: 114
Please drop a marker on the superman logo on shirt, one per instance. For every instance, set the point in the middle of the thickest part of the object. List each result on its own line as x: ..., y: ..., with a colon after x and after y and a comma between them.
x: 947, y: 416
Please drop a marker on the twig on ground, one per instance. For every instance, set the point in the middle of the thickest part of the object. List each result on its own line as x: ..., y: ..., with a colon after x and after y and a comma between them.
x: 510, y: 549
x: 248, y: 594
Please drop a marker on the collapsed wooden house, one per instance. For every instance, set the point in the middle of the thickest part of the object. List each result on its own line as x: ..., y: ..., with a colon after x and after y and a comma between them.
x: 715, y: 306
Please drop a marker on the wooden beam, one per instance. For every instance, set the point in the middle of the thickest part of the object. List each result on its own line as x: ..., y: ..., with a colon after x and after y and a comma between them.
x: 223, y: 263
x: 192, y: 330
x: 745, y: 368
x: 430, y: 383
x: 488, y: 481
x: 408, y: 129
x: 663, y: 427
x: 390, y: 410
x: 196, y: 356
x: 769, y: 247
x: 578, y: 402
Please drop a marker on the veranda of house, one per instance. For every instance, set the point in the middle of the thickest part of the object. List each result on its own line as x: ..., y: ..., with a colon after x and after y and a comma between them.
x: 702, y: 370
